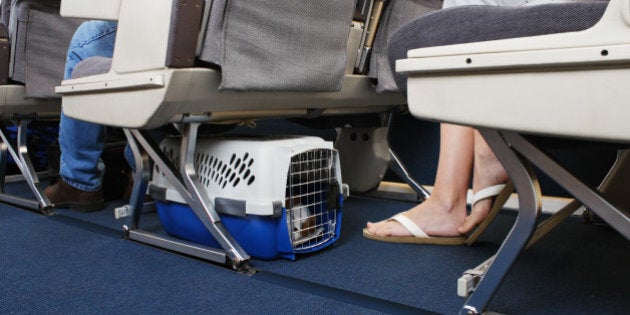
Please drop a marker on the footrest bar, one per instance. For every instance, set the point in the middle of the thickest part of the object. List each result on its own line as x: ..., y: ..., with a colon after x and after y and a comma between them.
x: 26, y: 203
x: 467, y: 283
x: 180, y: 246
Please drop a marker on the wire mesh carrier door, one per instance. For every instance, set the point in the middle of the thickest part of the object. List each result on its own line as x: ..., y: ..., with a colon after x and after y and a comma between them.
x: 277, y: 195
x: 312, y: 198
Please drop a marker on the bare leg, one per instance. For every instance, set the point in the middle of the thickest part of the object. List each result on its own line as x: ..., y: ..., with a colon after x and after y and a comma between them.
x: 445, y: 210
x: 488, y: 171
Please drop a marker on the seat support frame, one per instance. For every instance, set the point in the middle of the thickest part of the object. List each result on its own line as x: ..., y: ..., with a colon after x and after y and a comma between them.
x: 184, y: 181
x: 529, y: 198
x: 19, y: 153
x: 516, y: 153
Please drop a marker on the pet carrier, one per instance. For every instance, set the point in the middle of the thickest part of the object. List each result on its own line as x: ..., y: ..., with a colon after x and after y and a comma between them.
x: 277, y: 195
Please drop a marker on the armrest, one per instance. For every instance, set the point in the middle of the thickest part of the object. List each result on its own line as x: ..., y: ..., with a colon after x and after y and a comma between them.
x: 91, y: 9
x: 607, y: 42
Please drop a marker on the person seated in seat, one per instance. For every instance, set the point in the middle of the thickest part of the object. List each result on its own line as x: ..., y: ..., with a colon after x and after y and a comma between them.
x: 81, y: 143
x: 442, y: 219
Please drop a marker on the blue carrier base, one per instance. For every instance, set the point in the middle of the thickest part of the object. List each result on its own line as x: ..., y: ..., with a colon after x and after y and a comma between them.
x: 262, y: 237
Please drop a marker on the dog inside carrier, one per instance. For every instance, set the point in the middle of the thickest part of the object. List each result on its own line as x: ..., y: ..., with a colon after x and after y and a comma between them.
x: 277, y: 195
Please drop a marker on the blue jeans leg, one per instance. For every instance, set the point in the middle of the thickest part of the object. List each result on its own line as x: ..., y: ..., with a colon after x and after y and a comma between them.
x: 82, y: 143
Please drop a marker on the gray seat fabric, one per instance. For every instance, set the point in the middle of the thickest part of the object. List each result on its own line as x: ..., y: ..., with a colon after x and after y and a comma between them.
x: 279, y: 45
x: 482, y: 23
x: 92, y: 66
x: 396, y: 14
x: 271, y: 45
x: 40, y: 39
x: 5, y: 11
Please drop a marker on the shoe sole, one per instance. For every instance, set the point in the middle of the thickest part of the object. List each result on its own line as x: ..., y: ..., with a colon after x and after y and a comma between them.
x: 433, y: 240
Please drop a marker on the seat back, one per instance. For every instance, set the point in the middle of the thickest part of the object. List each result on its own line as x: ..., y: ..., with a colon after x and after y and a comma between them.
x: 5, y: 11
x: 268, y: 46
x: 39, y: 38
x: 279, y: 44
x: 396, y: 14
x: 5, y: 54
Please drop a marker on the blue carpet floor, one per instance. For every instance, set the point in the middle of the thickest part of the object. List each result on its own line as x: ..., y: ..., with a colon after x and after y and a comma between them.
x: 78, y: 263
x: 52, y: 265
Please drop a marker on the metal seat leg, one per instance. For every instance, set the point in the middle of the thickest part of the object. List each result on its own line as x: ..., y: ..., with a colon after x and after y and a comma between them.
x: 23, y: 161
x: 530, y: 204
x: 185, y: 183
x: 398, y: 167
x: 616, y: 218
x: 511, y: 147
x: 141, y: 175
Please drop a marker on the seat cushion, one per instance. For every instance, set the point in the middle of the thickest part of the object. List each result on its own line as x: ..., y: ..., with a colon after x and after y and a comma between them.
x: 468, y: 24
x: 92, y: 66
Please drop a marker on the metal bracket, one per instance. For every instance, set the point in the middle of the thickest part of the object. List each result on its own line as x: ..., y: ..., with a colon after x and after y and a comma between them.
x: 186, y: 185
x: 22, y: 160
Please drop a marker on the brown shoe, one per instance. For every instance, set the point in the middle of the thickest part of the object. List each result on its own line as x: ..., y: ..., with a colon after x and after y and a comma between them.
x: 63, y: 195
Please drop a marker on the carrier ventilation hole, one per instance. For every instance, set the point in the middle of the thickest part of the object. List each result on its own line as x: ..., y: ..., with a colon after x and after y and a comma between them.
x: 213, y: 170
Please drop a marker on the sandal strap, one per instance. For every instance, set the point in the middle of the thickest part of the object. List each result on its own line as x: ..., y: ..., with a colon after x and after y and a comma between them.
x: 414, y: 229
x: 486, y: 193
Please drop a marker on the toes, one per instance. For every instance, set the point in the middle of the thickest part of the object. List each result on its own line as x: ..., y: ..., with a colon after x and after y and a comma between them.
x: 375, y: 228
x: 471, y: 221
x: 466, y: 227
x: 371, y: 227
x: 383, y: 228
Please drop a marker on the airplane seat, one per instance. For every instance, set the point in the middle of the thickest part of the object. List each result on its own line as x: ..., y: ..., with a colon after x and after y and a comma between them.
x: 552, y: 71
x: 33, y: 56
x: 216, y: 62
x: 327, y: 61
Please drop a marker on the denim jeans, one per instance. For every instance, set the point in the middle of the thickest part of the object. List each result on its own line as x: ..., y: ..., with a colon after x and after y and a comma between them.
x: 82, y: 143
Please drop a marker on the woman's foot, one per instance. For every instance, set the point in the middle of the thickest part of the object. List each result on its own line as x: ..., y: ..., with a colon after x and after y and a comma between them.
x: 434, y: 217
x: 488, y: 172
